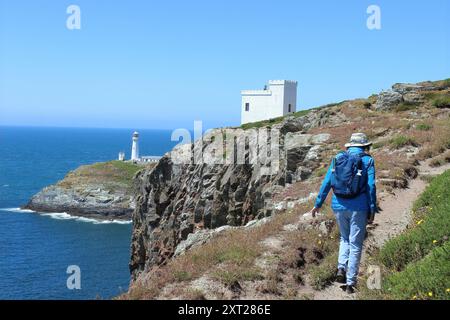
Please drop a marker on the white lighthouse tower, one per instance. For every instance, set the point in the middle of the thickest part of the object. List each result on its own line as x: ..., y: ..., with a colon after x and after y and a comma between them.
x: 135, y: 147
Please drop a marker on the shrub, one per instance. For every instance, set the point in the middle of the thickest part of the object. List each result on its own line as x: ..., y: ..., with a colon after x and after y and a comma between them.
x: 181, y: 275
x: 325, y: 273
x: 405, y: 106
x: 230, y: 276
x: 379, y: 144
x: 400, y: 141
x: 261, y: 124
x: 441, y: 160
x: 424, y: 126
x: 446, y: 83
x: 442, y: 101
x: 320, y: 172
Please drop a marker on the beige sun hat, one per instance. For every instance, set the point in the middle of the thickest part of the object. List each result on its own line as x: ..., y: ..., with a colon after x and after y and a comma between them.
x: 358, y: 140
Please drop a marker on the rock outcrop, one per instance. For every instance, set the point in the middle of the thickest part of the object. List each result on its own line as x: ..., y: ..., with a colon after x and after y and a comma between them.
x: 100, y: 191
x: 387, y: 99
x: 409, y: 93
x: 212, y: 189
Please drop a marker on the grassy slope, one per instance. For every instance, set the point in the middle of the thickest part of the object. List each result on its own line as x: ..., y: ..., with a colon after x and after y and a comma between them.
x: 417, y: 262
x: 270, y: 122
x: 111, y: 173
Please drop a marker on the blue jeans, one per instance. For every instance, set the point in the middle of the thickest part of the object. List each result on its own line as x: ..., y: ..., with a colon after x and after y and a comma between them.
x: 352, y: 229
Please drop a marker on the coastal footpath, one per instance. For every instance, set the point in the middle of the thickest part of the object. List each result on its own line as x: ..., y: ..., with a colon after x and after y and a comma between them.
x: 102, y: 191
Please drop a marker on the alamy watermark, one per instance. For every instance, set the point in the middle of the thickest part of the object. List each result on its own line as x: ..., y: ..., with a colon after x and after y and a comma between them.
x: 374, y: 20
x: 260, y: 147
x: 373, y: 277
x: 73, y: 21
x: 74, y: 280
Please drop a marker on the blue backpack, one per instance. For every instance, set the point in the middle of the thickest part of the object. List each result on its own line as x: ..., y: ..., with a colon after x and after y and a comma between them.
x: 348, y: 177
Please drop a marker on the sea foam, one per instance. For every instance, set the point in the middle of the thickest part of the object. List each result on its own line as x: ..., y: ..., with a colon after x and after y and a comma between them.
x: 66, y: 216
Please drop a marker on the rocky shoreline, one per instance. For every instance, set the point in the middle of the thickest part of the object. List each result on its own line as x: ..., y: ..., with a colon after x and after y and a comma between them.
x: 102, y: 191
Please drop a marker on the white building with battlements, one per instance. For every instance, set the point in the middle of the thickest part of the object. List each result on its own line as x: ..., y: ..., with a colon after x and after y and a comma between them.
x: 277, y: 99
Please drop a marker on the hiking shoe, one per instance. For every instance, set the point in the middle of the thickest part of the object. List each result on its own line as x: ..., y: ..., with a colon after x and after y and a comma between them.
x: 350, y: 289
x: 340, y: 276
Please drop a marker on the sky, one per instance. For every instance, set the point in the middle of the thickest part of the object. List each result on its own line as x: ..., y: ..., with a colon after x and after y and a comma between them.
x: 164, y: 64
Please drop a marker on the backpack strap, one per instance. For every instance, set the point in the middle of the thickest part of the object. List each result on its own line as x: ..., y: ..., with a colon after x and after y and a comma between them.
x: 333, y: 162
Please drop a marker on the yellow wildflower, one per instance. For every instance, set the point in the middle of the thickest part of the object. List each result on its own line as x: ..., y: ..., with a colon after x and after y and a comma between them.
x: 430, y: 294
x: 420, y: 221
x: 434, y: 241
x: 448, y: 290
x: 414, y: 297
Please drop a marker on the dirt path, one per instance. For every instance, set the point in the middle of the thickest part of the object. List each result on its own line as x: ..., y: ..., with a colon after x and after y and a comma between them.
x: 394, y: 217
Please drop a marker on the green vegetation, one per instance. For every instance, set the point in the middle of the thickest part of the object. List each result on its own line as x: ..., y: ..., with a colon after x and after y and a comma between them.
x: 442, y: 101
x: 379, y: 144
x: 232, y: 276
x: 261, y: 124
x: 270, y: 122
x: 425, y: 279
x: 436, y: 141
x: 325, y: 273
x: 439, y: 99
x: 119, y: 171
x: 320, y: 172
x: 441, y: 160
x: 445, y: 83
x: 367, y: 104
x: 406, y: 106
x: 400, y: 141
x: 417, y: 261
x: 111, y: 174
x: 424, y: 126
x: 301, y: 113
x: 181, y: 275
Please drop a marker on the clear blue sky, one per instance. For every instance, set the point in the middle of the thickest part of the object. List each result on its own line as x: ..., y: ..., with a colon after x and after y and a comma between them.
x: 164, y: 64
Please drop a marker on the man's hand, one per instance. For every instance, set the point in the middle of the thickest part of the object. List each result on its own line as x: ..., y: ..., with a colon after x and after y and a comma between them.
x: 371, y: 218
x: 314, y: 211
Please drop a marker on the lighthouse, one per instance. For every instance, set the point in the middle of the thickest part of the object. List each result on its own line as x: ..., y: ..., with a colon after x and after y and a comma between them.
x: 135, y: 147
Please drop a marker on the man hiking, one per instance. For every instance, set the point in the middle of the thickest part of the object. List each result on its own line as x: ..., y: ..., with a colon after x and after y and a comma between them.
x: 351, y: 175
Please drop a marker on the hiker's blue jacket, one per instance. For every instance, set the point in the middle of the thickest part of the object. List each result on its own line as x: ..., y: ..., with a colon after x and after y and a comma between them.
x: 366, y: 201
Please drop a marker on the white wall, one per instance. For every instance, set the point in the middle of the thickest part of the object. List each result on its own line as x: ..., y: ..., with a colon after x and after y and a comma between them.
x: 271, y: 103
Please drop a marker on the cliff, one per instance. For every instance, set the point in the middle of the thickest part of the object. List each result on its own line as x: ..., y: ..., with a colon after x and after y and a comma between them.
x: 193, y: 225
x: 174, y: 199
x: 100, y: 191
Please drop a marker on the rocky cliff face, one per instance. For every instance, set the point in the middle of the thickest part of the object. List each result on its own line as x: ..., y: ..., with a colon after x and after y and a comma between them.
x: 177, y: 199
x: 100, y: 191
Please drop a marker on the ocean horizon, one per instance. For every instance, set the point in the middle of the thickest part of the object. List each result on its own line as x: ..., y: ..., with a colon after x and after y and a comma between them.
x: 36, y: 249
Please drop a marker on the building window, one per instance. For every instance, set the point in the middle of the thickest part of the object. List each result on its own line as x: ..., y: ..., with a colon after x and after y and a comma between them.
x: 247, y: 106
x: 289, y: 108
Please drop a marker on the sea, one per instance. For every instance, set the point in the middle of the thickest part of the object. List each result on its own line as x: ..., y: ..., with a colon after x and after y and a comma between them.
x: 58, y: 256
